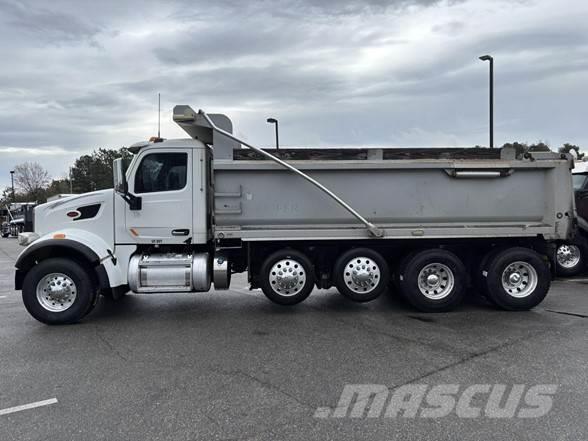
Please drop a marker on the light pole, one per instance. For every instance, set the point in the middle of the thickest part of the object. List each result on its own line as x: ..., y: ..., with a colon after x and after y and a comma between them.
x: 275, y: 121
x: 12, y: 179
x: 491, y: 60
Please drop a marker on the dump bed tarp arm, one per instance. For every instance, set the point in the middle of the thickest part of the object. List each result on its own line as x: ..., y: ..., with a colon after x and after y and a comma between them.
x: 373, y: 229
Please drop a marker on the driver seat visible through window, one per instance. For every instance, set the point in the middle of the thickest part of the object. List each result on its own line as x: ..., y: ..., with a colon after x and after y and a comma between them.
x: 161, y: 172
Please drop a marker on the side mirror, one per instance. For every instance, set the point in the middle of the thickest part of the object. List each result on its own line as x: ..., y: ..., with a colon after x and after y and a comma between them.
x: 120, y: 182
x: 121, y: 186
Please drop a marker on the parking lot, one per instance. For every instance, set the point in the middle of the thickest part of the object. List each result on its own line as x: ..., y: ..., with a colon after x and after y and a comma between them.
x: 232, y: 365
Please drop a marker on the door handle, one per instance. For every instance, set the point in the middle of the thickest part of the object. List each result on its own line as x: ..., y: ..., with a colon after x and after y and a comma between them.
x: 181, y: 232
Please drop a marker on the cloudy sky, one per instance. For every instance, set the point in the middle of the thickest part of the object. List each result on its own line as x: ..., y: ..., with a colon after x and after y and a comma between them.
x: 77, y: 75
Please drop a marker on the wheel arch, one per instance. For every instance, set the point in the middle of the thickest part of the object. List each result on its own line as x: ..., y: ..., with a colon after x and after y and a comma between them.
x: 69, y: 248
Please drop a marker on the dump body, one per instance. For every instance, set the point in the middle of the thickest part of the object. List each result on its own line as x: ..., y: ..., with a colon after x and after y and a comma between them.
x: 406, y: 193
x: 408, y: 198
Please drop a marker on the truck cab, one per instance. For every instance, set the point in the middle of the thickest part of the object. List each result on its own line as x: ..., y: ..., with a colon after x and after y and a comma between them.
x: 159, y: 207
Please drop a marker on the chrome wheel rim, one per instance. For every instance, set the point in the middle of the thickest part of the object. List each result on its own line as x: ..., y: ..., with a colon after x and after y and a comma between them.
x: 287, y: 277
x: 436, y: 281
x: 519, y: 279
x: 56, y: 292
x: 568, y: 256
x: 361, y: 275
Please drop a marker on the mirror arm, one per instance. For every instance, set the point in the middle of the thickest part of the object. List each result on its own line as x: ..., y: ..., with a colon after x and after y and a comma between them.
x: 135, y: 202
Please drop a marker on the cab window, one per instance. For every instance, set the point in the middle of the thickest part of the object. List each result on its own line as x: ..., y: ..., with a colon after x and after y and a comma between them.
x: 579, y: 181
x: 161, y: 172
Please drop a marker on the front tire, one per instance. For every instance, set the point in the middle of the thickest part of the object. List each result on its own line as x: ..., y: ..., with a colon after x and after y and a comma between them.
x: 287, y: 277
x: 58, y: 291
x: 517, y: 279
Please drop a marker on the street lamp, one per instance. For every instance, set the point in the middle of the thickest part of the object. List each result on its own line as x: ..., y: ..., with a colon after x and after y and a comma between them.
x: 491, y: 60
x: 275, y: 121
x: 12, y: 179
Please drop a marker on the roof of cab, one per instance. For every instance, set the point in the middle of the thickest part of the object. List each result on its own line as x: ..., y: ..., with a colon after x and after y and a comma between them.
x: 167, y: 143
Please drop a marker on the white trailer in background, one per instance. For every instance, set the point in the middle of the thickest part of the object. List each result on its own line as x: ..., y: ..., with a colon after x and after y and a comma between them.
x: 188, y: 213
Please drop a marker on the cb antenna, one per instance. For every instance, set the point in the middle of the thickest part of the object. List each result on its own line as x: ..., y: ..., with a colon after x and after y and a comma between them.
x: 159, y: 115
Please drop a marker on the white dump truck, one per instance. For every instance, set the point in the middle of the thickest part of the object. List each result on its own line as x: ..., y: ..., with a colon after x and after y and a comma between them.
x: 188, y: 213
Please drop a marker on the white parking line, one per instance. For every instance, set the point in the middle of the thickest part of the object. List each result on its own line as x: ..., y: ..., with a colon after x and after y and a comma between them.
x: 28, y: 406
x: 3, y: 297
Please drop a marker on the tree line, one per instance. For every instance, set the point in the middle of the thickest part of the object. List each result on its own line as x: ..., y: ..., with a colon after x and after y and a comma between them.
x: 94, y: 172
x: 32, y: 182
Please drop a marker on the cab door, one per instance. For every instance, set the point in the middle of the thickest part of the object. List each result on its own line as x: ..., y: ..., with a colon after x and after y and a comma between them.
x: 163, y: 181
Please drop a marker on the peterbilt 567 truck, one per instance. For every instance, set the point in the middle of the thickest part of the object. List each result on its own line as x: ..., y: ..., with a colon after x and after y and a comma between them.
x: 188, y: 213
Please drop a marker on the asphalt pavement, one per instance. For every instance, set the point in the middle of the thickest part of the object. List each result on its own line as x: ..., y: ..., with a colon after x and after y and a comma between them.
x: 230, y: 365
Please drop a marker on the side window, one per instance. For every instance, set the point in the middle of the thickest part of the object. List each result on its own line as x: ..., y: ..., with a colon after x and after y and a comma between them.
x: 580, y: 181
x: 161, y: 172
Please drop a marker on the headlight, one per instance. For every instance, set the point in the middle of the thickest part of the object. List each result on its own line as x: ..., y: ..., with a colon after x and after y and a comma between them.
x: 25, y: 239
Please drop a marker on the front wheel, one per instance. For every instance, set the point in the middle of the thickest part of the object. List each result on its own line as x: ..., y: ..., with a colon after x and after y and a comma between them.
x: 58, y: 291
x: 569, y: 260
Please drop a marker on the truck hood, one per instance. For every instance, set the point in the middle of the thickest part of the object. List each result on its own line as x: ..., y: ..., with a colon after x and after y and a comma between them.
x: 89, y: 211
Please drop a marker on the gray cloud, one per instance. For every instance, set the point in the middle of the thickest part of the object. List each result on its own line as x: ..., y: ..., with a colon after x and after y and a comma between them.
x: 48, y: 25
x: 82, y: 75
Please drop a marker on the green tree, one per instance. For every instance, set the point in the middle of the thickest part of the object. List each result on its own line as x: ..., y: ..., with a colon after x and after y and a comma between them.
x: 539, y: 147
x: 57, y: 186
x: 94, y: 171
x: 6, y: 197
x: 520, y: 148
x: 568, y: 148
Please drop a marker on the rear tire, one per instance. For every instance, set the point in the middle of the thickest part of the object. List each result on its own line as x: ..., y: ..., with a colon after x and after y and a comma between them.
x: 433, y: 280
x: 58, y: 291
x: 361, y: 274
x: 479, y: 278
x: 517, y: 279
x: 287, y: 277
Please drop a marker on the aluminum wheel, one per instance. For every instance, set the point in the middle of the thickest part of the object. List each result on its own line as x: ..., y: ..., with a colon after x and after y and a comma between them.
x: 519, y: 279
x: 568, y: 256
x: 287, y: 277
x: 56, y: 292
x: 362, y: 275
x: 436, y: 281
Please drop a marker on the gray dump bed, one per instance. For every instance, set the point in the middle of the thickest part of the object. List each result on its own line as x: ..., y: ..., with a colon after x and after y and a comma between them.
x: 407, y: 193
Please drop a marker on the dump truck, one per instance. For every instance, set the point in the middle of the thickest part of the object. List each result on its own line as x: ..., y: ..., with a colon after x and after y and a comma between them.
x: 186, y: 214
x: 19, y: 218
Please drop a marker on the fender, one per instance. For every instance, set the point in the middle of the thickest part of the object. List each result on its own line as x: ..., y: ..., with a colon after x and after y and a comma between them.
x: 88, y: 246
